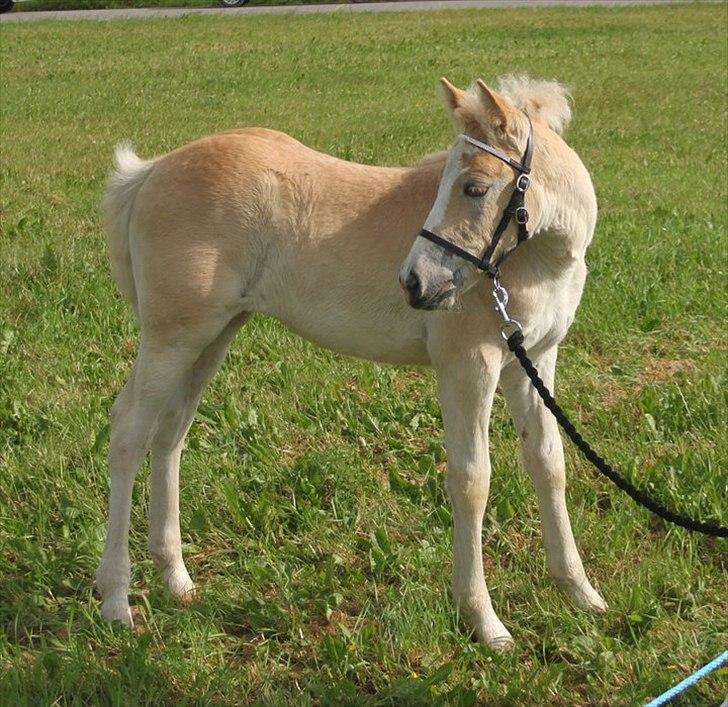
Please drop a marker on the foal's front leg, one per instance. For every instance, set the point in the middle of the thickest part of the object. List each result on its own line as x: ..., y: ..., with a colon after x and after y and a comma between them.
x: 543, y: 458
x: 466, y: 389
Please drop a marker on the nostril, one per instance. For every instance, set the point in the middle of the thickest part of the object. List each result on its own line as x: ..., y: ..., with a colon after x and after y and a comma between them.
x: 412, y: 283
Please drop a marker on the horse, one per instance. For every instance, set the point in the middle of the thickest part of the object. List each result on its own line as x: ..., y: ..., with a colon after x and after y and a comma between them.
x: 253, y: 221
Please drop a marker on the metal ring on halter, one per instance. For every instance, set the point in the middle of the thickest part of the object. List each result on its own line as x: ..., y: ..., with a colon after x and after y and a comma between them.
x: 509, y: 328
x: 522, y: 182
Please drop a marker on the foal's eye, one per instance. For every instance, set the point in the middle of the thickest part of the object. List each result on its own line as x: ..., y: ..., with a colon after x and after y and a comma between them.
x: 475, y: 190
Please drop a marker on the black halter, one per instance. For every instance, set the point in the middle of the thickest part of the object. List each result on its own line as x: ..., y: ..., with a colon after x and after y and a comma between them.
x: 515, y: 208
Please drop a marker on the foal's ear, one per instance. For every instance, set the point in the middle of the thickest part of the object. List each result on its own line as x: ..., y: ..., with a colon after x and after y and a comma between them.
x: 452, y: 95
x: 462, y: 107
x: 497, y: 109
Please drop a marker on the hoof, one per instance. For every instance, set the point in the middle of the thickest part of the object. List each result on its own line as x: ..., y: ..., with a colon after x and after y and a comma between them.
x: 117, y: 610
x: 501, y: 644
x: 585, y: 597
x: 591, y: 602
x: 496, y: 636
x: 180, y: 585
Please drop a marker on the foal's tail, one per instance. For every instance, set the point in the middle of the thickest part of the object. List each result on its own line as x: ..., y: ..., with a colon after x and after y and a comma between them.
x: 121, y: 190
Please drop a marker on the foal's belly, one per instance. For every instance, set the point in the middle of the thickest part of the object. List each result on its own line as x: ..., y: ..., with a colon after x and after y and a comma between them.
x: 386, y: 332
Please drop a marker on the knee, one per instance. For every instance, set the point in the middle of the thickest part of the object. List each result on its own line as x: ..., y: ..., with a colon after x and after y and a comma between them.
x: 468, y: 484
x: 547, y: 475
x: 544, y: 459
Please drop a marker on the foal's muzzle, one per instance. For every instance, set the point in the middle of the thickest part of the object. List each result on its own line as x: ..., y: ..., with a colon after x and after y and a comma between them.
x: 421, y: 296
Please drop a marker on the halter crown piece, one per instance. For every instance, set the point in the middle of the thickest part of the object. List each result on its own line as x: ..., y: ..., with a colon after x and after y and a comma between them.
x: 515, y: 209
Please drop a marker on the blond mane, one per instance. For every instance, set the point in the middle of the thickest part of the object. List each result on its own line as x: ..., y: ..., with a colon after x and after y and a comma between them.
x: 546, y: 101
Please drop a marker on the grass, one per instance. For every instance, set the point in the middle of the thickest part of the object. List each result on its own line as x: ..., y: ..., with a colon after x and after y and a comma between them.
x: 313, y: 510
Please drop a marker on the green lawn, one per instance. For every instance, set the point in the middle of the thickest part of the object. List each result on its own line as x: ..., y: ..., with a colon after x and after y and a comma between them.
x: 313, y: 509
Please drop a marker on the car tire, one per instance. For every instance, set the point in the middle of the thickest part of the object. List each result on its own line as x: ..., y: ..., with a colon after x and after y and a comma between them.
x: 227, y: 3
x: 6, y: 5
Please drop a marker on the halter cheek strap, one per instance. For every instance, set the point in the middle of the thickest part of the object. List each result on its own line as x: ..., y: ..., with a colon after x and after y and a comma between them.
x: 515, y: 209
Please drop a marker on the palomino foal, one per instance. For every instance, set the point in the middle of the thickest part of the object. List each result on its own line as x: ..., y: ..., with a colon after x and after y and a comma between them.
x: 253, y: 221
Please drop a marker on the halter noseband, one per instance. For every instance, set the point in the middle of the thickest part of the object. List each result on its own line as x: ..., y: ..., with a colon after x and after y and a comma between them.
x: 515, y: 209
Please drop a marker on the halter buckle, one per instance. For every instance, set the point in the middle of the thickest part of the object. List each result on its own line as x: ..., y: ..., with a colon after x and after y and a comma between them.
x: 523, y: 182
x: 521, y: 215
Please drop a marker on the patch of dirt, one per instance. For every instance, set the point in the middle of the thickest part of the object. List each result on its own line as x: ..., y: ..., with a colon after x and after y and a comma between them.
x: 661, y: 369
x: 655, y: 370
x: 613, y: 393
x: 319, y: 626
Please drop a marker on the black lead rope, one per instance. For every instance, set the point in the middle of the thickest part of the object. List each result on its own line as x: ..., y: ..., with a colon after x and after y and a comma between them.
x: 515, y: 344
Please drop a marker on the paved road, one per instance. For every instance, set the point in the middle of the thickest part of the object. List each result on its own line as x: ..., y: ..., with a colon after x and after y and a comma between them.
x: 144, y: 13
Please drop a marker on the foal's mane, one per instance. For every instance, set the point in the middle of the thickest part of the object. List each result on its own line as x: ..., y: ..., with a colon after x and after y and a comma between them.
x: 432, y: 158
x: 548, y: 102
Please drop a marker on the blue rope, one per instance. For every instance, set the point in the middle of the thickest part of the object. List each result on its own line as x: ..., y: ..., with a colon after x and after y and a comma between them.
x: 673, y: 692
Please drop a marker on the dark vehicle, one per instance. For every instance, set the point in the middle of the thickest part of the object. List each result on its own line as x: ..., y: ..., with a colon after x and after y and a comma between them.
x: 224, y: 3
x: 6, y: 5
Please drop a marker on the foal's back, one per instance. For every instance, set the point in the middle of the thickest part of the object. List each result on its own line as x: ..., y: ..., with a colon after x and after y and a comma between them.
x: 253, y: 220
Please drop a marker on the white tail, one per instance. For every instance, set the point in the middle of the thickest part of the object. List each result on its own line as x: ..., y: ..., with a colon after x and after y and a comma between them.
x: 121, y: 189
x: 547, y: 101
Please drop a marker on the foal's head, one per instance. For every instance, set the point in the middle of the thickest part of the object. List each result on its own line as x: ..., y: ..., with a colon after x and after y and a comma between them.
x: 476, y: 186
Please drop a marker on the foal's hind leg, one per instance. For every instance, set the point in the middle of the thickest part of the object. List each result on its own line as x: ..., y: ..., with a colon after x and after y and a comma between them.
x: 161, y: 368
x: 543, y: 458
x: 165, y: 543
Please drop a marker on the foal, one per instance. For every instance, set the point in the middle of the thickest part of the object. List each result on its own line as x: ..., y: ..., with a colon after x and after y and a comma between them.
x: 253, y: 221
